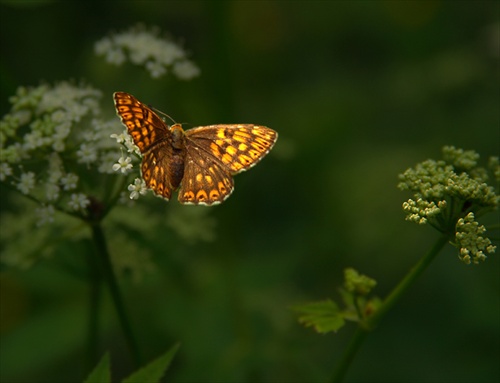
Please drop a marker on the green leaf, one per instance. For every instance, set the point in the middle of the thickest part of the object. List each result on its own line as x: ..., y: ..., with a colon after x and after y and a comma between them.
x: 101, y: 373
x: 153, y: 372
x: 323, y: 316
x: 357, y: 283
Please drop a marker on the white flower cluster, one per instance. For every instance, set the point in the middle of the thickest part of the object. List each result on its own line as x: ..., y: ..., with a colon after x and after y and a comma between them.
x: 469, y: 238
x: 125, y: 164
x: 146, y: 48
x: 49, y: 138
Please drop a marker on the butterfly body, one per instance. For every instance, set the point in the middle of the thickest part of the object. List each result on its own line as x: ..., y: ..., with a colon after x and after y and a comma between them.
x: 199, y: 161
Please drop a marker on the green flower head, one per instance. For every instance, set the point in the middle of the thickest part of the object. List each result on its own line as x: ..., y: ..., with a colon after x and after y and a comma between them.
x: 449, y: 194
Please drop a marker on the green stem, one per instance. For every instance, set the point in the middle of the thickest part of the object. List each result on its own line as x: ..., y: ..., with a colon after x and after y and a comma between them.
x: 109, y: 276
x: 371, y: 322
x: 406, y: 283
x: 94, y: 304
x: 119, y: 187
x: 349, y: 354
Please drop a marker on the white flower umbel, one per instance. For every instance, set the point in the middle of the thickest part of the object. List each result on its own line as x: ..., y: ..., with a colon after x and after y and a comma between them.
x: 48, y: 133
x: 145, y: 47
x: 449, y: 195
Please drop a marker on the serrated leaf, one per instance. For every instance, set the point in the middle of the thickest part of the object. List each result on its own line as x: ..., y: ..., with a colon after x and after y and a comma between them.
x: 323, y: 316
x: 101, y: 373
x: 153, y: 372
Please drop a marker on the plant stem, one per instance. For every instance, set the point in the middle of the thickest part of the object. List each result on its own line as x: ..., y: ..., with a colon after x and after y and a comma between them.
x: 371, y: 322
x: 94, y: 304
x: 396, y: 294
x: 349, y: 354
x: 109, y: 276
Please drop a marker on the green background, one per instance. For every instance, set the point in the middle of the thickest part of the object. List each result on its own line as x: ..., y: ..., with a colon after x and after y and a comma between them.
x: 358, y: 91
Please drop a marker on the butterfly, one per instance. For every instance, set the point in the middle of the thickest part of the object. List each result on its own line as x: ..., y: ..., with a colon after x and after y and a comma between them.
x: 200, y: 162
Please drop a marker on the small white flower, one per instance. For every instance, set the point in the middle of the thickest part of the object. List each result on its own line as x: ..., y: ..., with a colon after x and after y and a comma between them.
x: 86, y: 154
x: 156, y: 69
x: 45, y: 215
x: 90, y: 136
x: 69, y: 181
x: 5, y: 171
x: 33, y: 140
x: 116, y: 56
x: 27, y: 182
x: 76, y: 111
x: 62, y: 130
x: 106, y: 162
x: 124, y: 165
x: 137, y: 188
x: 58, y: 146
x: 78, y: 201
x: 127, y: 141
x: 131, y: 146
x: 59, y: 116
x: 120, y: 138
x: 103, y: 45
x: 52, y: 191
x: 185, y: 70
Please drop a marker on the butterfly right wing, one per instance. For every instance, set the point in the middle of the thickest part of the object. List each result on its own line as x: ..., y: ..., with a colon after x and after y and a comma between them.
x: 215, y: 153
x: 206, y: 181
x: 237, y: 147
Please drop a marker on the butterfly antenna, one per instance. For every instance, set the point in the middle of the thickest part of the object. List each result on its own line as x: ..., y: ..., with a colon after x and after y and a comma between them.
x: 164, y: 114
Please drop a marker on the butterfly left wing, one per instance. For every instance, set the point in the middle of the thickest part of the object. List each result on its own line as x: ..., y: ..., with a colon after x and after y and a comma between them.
x: 162, y: 166
x: 143, y: 124
x: 236, y: 147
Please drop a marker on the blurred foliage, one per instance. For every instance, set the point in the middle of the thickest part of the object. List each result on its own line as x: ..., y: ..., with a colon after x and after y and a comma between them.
x: 358, y: 91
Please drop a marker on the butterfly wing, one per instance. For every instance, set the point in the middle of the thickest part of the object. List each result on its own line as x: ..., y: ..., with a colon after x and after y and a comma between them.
x: 143, y: 124
x: 206, y: 181
x: 154, y: 139
x: 157, y: 169
x: 236, y: 147
x: 214, y: 153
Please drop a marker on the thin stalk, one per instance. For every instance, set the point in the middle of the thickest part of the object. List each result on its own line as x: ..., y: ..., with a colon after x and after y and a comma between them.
x: 349, y: 354
x: 398, y: 292
x: 371, y: 322
x: 109, y: 276
x: 94, y: 305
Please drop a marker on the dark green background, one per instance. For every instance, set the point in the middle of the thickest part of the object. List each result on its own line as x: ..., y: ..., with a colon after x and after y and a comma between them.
x: 358, y: 91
